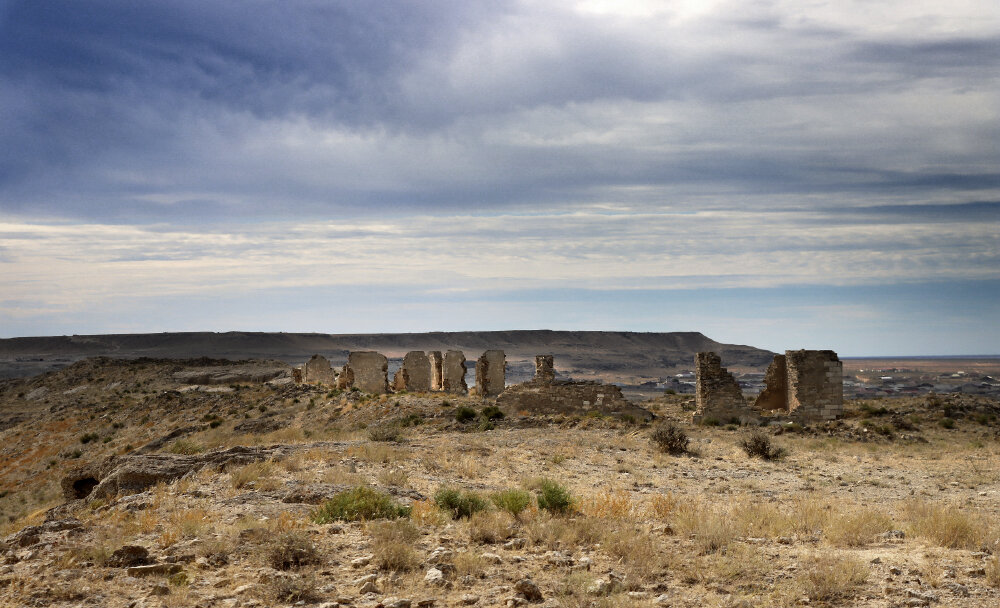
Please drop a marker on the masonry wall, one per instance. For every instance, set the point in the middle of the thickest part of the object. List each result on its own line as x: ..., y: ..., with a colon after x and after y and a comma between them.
x: 717, y: 394
x: 815, y: 385
x: 453, y: 373
x: 370, y: 370
x: 415, y: 374
x: 491, y: 373
x: 774, y: 397
x: 317, y: 369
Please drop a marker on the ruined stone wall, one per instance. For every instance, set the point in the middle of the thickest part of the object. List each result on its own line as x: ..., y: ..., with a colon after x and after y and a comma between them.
x: 415, y: 374
x: 346, y: 378
x: 437, y: 370
x: 317, y: 370
x: 491, y: 373
x: 370, y: 370
x: 815, y: 385
x: 717, y: 394
x: 453, y: 373
x: 544, y: 368
x: 568, y: 397
x: 775, y: 393
x: 297, y: 375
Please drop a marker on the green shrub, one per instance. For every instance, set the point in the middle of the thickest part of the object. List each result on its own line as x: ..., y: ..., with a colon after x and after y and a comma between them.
x: 185, y: 446
x: 88, y: 437
x: 948, y: 423
x: 553, y: 497
x: 465, y: 414
x: 360, y: 503
x: 492, y: 412
x: 758, y: 445
x: 670, y: 439
x: 459, y: 503
x: 512, y: 501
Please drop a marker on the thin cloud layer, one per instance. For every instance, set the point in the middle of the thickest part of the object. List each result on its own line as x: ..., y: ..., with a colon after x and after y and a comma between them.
x: 189, y: 148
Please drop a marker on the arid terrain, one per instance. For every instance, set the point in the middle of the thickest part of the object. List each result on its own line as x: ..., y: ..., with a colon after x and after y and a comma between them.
x: 125, y: 485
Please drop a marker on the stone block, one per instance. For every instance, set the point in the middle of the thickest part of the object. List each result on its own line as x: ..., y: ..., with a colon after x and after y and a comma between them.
x: 453, y: 373
x: 370, y: 371
x: 491, y: 373
x: 317, y: 370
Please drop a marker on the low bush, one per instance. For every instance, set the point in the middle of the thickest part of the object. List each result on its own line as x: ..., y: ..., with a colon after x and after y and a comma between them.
x: 758, y: 445
x: 829, y: 578
x: 458, y: 502
x: 360, y: 503
x: 465, y: 414
x: 490, y: 527
x: 670, y: 439
x: 492, y: 412
x: 554, y: 498
x: 385, y: 432
x: 291, y: 550
x: 512, y: 501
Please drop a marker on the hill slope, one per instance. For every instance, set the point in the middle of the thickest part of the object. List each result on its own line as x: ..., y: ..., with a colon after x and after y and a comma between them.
x: 619, y: 356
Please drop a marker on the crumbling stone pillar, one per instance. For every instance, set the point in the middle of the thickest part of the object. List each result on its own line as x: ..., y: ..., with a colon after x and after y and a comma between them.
x: 544, y: 369
x: 717, y: 394
x: 815, y: 385
x: 775, y: 393
x: 437, y: 369
x: 346, y: 378
x: 317, y: 370
x: 371, y: 371
x: 415, y: 374
x: 453, y: 373
x: 491, y: 373
x: 297, y: 375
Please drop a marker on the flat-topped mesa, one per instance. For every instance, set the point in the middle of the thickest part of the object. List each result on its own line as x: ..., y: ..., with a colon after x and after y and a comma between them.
x: 491, y: 373
x: 437, y: 370
x: 415, y: 374
x: 317, y: 370
x: 718, y: 396
x: 546, y: 395
x: 800, y: 385
x: 453, y: 372
x: 369, y: 371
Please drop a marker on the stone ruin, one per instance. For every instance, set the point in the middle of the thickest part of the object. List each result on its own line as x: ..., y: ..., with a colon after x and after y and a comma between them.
x: 545, y: 394
x: 437, y: 369
x: 453, y: 373
x: 317, y: 370
x: 368, y: 371
x: 415, y: 374
x: 801, y: 385
x: 491, y: 373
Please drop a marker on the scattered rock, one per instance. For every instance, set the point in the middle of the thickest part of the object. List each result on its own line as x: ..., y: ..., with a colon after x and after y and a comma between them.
x: 527, y: 588
x: 154, y: 569
x: 127, y: 556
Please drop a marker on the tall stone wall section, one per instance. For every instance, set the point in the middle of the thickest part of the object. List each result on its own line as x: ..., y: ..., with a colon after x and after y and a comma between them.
x: 453, y: 372
x: 437, y: 370
x: 370, y: 371
x: 717, y: 394
x: 318, y: 370
x: 545, y: 368
x: 415, y: 374
x: 815, y: 385
x: 491, y: 373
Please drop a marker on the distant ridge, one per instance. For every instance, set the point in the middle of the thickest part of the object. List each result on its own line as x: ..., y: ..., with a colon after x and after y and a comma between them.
x: 605, y: 354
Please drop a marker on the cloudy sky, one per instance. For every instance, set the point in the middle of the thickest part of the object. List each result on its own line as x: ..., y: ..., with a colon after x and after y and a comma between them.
x: 787, y: 174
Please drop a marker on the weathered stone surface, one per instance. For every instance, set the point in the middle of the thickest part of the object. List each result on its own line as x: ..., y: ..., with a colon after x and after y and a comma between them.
x: 415, y: 374
x: 545, y: 395
x: 717, y: 394
x: 453, y: 373
x: 346, y: 378
x: 544, y: 368
x: 815, y: 385
x: 128, y: 556
x: 370, y: 370
x: 491, y: 373
x: 317, y: 370
x: 297, y: 375
x: 775, y: 393
x: 437, y: 370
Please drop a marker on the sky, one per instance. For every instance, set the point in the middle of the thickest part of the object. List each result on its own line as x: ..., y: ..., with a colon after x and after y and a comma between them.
x: 784, y: 174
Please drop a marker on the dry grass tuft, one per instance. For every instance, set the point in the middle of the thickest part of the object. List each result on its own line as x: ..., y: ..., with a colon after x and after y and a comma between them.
x: 291, y: 550
x: 608, y: 505
x: 490, y: 527
x: 661, y: 506
x: 392, y: 545
x: 258, y: 474
x: 710, y: 525
x: 829, y: 578
x: 856, y: 528
x: 947, y: 525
